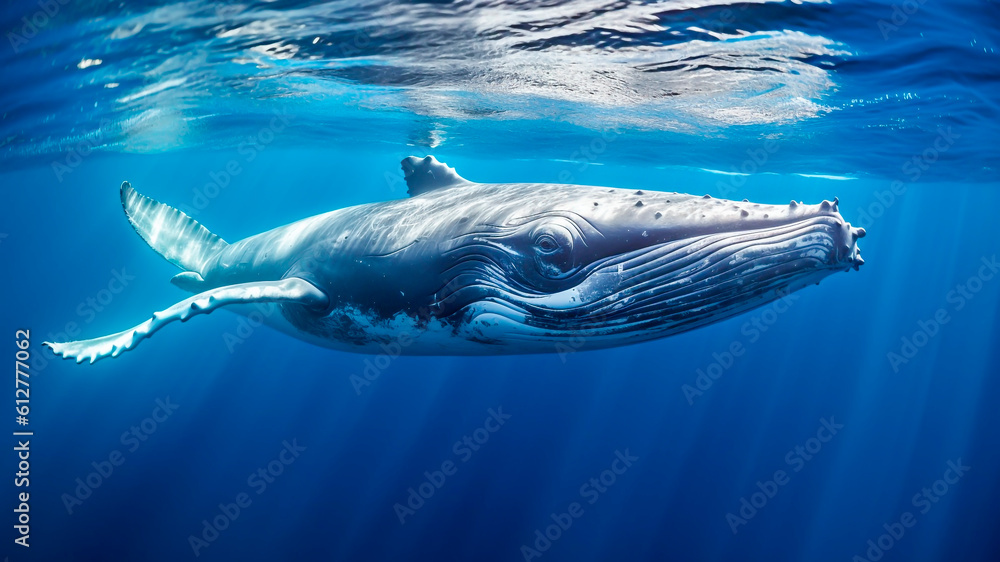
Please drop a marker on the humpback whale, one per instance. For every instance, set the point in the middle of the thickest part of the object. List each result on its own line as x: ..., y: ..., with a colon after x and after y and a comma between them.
x: 465, y: 268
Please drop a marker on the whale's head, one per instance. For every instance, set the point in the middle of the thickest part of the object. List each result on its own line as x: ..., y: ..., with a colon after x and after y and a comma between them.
x: 558, y: 263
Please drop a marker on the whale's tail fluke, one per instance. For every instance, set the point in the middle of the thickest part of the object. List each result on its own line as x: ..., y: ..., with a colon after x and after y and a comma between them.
x: 174, y: 235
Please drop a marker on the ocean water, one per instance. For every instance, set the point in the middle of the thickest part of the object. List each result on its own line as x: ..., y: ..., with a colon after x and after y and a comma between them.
x: 858, y: 420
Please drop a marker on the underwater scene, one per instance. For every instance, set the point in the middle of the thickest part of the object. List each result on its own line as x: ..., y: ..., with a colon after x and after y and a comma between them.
x: 528, y: 280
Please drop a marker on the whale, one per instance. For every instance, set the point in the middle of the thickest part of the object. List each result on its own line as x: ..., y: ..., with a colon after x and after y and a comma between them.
x: 466, y: 268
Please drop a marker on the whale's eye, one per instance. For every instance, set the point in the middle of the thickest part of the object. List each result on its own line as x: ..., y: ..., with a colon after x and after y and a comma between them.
x: 546, y: 243
x: 553, y: 245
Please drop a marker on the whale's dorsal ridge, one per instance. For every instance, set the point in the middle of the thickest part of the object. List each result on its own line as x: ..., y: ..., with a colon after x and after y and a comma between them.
x: 426, y: 174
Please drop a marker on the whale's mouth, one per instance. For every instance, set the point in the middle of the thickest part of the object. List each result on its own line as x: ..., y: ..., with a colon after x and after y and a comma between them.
x: 678, y: 285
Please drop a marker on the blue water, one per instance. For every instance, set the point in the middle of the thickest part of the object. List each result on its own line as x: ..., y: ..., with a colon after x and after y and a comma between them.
x: 255, y: 115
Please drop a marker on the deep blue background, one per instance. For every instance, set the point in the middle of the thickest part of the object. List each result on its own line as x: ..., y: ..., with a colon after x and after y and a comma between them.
x: 185, y: 97
x: 824, y: 357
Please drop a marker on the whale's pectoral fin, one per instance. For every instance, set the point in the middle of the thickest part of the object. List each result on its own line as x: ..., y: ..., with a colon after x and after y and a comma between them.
x: 292, y: 289
x: 426, y: 174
